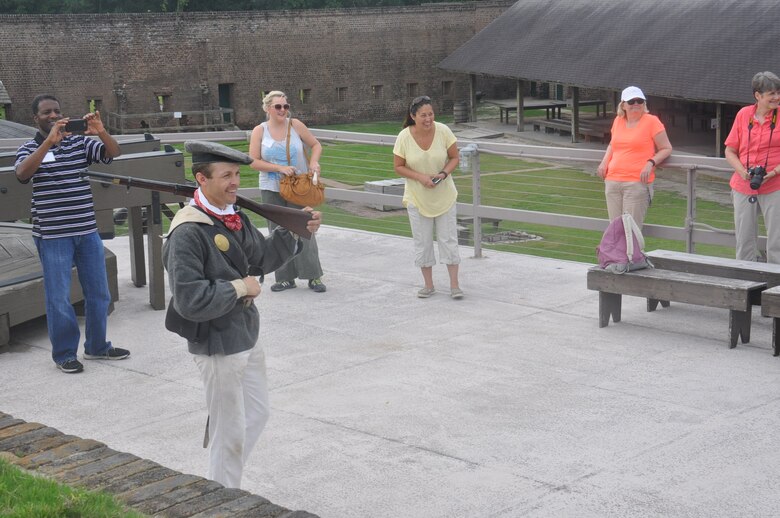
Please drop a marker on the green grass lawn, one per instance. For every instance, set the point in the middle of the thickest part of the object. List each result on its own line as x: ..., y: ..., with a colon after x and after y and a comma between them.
x: 506, y: 182
x: 23, y: 495
x: 381, y: 127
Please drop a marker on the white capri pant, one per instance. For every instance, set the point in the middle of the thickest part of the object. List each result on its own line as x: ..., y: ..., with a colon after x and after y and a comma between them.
x: 446, y: 227
x: 237, y: 399
x: 746, y: 225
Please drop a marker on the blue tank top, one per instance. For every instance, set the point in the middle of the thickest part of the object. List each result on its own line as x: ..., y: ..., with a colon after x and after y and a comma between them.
x: 275, y: 151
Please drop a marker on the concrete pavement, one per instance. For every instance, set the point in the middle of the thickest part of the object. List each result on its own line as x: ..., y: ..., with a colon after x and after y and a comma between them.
x: 508, y: 403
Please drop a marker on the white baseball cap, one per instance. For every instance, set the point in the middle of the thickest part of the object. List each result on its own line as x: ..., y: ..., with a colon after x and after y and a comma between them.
x: 632, y: 92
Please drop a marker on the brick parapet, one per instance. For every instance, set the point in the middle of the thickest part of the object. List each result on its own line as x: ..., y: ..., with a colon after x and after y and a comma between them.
x: 139, y: 483
x: 125, y: 60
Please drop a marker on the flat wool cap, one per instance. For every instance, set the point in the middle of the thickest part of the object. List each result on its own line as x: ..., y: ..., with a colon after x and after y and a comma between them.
x: 204, y: 152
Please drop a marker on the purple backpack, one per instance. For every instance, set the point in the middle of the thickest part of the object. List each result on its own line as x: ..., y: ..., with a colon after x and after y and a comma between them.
x: 622, y: 247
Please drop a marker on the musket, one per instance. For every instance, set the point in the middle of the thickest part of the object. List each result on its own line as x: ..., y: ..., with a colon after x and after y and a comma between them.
x: 294, y: 220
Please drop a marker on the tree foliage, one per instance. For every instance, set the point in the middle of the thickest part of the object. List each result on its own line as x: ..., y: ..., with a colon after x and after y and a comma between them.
x: 161, y: 6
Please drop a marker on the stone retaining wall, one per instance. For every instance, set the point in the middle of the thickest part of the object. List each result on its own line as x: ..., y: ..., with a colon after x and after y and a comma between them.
x: 141, y: 484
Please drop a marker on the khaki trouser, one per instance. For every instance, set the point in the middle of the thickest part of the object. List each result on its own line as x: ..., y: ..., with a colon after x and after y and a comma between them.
x: 746, y: 225
x: 446, y: 227
x: 237, y: 399
x: 631, y: 197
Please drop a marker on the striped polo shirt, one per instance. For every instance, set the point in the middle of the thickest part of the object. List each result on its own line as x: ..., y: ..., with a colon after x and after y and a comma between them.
x: 62, y: 200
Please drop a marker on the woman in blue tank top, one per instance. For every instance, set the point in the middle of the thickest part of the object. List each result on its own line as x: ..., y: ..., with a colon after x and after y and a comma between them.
x: 268, y: 146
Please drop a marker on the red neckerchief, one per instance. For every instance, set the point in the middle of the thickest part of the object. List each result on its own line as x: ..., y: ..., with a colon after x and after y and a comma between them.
x: 231, y: 221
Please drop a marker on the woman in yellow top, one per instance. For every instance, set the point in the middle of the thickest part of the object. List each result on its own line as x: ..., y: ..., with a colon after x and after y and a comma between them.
x: 426, y: 154
x: 638, y: 143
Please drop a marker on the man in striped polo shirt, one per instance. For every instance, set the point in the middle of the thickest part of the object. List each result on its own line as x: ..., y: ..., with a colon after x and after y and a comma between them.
x: 65, y: 230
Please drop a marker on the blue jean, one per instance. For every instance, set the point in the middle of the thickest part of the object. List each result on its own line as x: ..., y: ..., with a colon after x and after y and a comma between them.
x: 57, y: 259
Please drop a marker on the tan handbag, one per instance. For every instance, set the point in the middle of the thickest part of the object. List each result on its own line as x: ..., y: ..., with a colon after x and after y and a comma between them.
x: 299, y: 188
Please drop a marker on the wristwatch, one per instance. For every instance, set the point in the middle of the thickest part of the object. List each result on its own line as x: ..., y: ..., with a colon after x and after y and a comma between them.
x: 651, y: 161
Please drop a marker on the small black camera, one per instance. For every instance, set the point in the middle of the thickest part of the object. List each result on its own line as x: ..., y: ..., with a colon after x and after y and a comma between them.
x: 76, y: 126
x: 757, y: 174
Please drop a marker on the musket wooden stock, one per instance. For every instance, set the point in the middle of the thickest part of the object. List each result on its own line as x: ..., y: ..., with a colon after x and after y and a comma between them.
x: 293, y: 220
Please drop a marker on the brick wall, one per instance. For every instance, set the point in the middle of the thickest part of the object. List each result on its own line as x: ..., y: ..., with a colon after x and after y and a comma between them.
x: 126, y: 60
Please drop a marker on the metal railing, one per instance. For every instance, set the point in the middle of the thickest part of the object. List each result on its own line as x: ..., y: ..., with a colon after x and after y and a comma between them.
x: 691, y: 233
x: 702, y: 175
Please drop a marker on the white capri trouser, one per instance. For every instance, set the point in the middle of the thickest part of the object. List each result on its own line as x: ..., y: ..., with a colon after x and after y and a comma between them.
x: 631, y: 197
x: 237, y: 399
x: 746, y: 225
x: 446, y: 227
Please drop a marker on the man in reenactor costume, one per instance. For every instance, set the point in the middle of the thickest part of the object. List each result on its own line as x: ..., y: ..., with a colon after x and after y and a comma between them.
x: 212, y: 254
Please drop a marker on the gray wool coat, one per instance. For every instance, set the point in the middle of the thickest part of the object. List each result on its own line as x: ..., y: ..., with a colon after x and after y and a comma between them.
x: 207, y: 287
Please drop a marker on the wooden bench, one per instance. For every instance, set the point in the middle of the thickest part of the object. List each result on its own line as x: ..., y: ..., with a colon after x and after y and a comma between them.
x: 770, y: 307
x: 552, y: 125
x: 663, y: 286
x: 590, y: 132
x: 718, y: 267
x: 563, y: 126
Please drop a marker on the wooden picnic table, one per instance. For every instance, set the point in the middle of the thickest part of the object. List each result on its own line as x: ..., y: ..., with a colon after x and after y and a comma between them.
x: 552, y: 107
x: 600, y: 104
x: 508, y: 106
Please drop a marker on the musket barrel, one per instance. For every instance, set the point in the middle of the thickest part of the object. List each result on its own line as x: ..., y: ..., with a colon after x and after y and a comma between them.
x: 293, y: 220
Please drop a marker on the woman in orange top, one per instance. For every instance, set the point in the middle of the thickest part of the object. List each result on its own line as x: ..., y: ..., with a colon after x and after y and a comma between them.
x: 639, y: 142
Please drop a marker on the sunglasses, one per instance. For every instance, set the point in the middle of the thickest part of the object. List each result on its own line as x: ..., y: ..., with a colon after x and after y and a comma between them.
x: 419, y: 101
x: 635, y: 101
x: 281, y: 106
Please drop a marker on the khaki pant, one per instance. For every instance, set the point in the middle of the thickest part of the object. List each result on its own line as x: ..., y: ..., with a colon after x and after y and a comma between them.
x: 746, y: 225
x: 237, y: 399
x: 631, y: 197
x: 446, y: 227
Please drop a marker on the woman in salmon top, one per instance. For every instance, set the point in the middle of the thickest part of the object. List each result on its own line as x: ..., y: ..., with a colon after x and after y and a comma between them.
x: 639, y: 142
x: 753, y: 145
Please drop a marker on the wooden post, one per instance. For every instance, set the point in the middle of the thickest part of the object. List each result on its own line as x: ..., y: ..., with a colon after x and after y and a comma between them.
x: 135, y: 232
x: 575, y: 113
x: 690, y: 211
x: 154, y: 243
x: 520, y: 103
x: 472, y: 97
x: 719, y: 130
x: 5, y: 332
x: 476, y: 200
